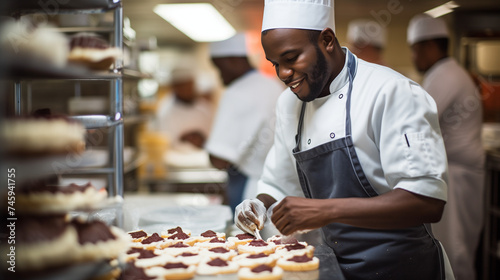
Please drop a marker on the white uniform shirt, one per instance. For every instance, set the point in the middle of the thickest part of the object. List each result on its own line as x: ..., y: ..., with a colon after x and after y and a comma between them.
x: 395, y: 132
x: 460, y: 111
x: 176, y: 117
x: 460, y: 116
x: 243, y: 129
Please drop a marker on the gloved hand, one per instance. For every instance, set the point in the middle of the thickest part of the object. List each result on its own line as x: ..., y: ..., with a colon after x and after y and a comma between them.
x: 250, y: 215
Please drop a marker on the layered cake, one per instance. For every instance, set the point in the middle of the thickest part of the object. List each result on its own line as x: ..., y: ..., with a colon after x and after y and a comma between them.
x: 40, y: 198
x: 42, y: 135
x: 92, y: 51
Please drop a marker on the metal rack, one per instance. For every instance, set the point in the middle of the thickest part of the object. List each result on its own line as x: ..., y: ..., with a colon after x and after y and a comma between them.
x: 30, y: 71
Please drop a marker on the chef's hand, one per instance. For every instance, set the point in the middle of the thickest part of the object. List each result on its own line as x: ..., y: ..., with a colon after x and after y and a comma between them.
x: 250, y: 215
x: 294, y: 214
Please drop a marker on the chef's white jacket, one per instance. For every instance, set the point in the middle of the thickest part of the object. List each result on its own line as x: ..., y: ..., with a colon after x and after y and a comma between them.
x: 395, y: 131
x: 243, y: 129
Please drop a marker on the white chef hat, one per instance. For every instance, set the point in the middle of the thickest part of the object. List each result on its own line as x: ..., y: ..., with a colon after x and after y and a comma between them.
x: 364, y: 31
x: 235, y: 46
x: 424, y: 27
x: 298, y: 14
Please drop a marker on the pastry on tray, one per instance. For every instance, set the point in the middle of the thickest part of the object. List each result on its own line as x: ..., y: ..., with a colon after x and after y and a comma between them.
x: 217, y: 266
x: 261, y: 272
x: 92, y: 51
x: 298, y: 263
x: 39, y: 198
x: 36, y: 136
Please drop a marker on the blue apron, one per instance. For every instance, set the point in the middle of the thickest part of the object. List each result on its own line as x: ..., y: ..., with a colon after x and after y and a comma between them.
x: 333, y: 170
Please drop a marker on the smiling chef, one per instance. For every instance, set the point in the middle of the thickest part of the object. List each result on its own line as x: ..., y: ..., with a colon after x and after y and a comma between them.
x: 361, y: 142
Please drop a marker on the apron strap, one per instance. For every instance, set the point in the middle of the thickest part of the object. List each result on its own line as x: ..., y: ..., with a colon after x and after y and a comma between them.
x: 298, y: 136
x: 351, y: 66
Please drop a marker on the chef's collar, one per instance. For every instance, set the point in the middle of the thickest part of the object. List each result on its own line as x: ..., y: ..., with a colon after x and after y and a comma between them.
x: 342, y: 78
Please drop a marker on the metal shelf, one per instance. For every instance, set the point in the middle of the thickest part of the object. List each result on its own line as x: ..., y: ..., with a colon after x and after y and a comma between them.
x: 26, y: 68
x: 17, y: 8
x: 98, y: 121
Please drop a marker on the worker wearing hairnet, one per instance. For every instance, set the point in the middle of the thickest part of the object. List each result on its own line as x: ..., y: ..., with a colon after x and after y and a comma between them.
x: 359, y: 142
x: 460, y: 117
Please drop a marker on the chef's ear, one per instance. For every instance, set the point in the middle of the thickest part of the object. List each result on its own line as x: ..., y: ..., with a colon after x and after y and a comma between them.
x: 327, y: 39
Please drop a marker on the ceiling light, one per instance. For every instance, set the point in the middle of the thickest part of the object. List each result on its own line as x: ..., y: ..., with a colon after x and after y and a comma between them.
x: 443, y: 9
x: 199, y: 21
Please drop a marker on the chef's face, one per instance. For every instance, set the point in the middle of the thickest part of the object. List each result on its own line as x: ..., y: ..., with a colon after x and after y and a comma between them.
x: 225, y: 68
x: 420, y: 56
x: 299, y: 61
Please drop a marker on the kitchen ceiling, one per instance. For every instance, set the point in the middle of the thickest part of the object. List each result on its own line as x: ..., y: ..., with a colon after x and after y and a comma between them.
x: 247, y: 14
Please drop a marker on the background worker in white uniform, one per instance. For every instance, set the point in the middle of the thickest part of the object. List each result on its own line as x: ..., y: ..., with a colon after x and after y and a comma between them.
x: 367, y: 39
x: 243, y: 128
x: 460, y: 116
x: 361, y: 141
x: 184, y: 115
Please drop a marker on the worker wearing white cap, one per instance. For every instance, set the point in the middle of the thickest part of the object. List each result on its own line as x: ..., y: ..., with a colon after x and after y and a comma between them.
x: 357, y: 153
x: 460, y: 118
x: 243, y: 128
x: 367, y: 40
x: 183, y: 115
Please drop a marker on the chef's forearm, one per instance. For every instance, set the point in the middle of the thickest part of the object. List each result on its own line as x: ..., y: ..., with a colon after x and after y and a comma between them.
x: 396, y: 209
x: 266, y: 199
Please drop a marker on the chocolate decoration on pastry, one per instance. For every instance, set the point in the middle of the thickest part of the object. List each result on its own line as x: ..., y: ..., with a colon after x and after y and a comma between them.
x: 257, y: 243
x: 296, y: 246
x: 72, y: 188
x: 37, y: 229
x: 217, y: 262
x: 153, y: 238
x: 90, y: 41
x: 92, y: 232
x: 217, y: 240
x: 133, y: 272
x: 300, y: 259
x: 179, y: 235
x: 209, y: 233
x: 219, y: 250
x: 175, y: 265
x: 243, y: 236
x: 257, y: 256
x: 174, y: 230
x: 179, y: 245
x: 262, y: 268
x: 188, y: 254
x: 138, y: 234
x: 146, y: 254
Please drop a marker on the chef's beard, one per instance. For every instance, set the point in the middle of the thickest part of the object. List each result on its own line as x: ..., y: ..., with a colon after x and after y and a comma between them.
x: 318, y: 77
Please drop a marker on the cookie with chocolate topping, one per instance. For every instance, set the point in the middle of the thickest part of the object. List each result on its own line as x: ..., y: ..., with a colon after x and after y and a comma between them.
x: 217, y: 266
x: 173, y: 270
x: 257, y: 246
x: 298, y: 263
x: 260, y: 272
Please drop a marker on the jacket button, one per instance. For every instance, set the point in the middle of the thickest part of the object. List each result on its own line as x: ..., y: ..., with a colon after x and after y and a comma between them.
x: 332, y: 135
x: 341, y: 96
x: 309, y: 141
